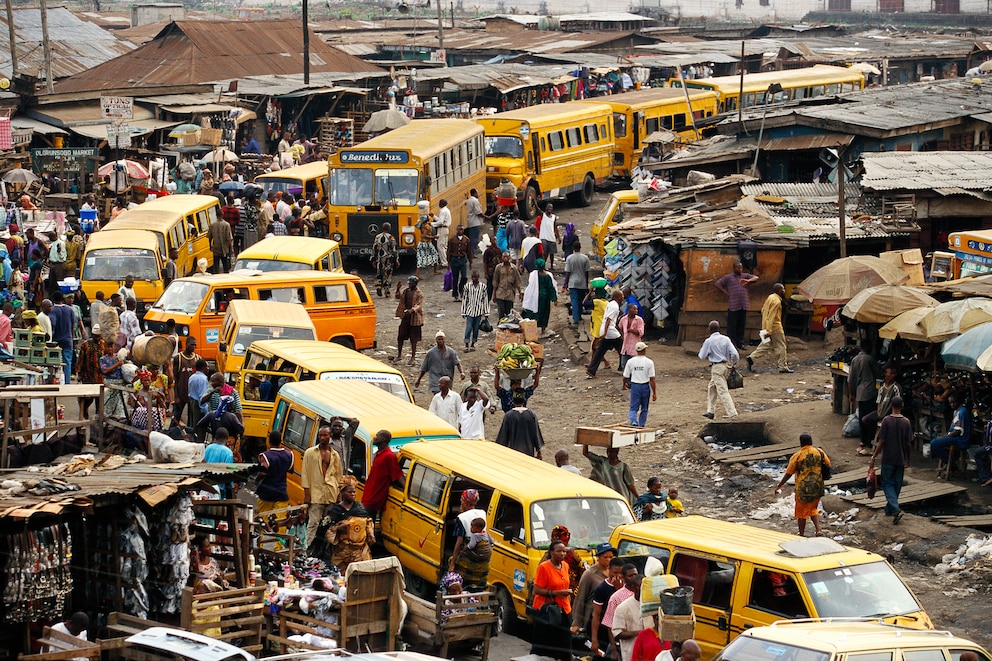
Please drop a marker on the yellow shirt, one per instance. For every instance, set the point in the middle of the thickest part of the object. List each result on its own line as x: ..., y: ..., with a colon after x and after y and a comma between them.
x: 771, y: 314
x: 323, y: 486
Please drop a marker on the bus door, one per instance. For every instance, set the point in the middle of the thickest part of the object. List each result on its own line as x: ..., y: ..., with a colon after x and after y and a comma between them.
x: 534, y: 154
x: 638, y: 119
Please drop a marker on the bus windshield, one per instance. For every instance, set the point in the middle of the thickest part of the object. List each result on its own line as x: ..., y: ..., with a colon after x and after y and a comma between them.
x: 590, y: 520
x: 270, y: 265
x: 182, y: 296
x: 248, y: 334
x: 870, y: 590
x: 396, y: 184
x: 275, y: 185
x: 115, y: 263
x: 391, y: 383
x: 350, y: 187
x: 504, y: 145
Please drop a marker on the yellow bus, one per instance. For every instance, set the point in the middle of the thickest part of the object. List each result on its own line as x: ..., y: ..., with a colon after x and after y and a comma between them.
x: 382, y: 179
x: 810, y: 82
x: 307, y: 179
x: 550, y: 150
x: 636, y: 115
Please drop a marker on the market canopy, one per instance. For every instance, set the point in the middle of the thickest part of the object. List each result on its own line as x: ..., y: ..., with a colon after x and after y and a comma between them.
x: 838, y: 282
x: 878, y: 305
x: 906, y: 325
x: 962, y: 352
x: 953, y: 318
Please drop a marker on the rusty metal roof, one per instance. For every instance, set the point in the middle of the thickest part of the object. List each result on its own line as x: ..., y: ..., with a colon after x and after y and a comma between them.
x: 187, y: 52
x: 77, y: 45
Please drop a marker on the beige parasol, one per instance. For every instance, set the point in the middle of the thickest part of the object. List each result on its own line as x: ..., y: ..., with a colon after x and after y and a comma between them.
x: 878, y: 305
x: 839, y: 281
x: 952, y: 318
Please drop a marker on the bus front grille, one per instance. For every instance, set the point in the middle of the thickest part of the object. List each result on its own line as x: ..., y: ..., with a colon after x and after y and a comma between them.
x: 363, y: 228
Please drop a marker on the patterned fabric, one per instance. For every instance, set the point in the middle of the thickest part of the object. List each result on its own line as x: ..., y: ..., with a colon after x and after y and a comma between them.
x: 90, y: 353
x: 475, y: 300
x: 737, y: 295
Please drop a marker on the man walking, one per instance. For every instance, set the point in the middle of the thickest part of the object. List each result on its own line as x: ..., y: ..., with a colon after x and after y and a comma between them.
x: 864, y: 394
x: 722, y: 354
x: 440, y: 360
x: 446, y: 404
x: 506, y: 285
x: 410, y: 310
x: 638, y: 378
x: 460, y: 261
x: 735, y: 285
x: 63, y: 321
x: 895, y: 435
x: 610, y: 336
x: 548, y: 233
x: 520, y: 430
x: 442, y: 225
x: 320, y: 478
x: 385, y: 472
x: 221, y: 244
x: 474, y: 223
x: 771, y: 323
x: 475, y: 306
x: 276, y: 462
x: 576, y: 281
x: 384, y: 258
x: 183, y: 368
x: 197, y: 388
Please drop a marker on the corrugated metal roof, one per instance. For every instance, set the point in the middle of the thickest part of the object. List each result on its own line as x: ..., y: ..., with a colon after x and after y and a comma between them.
x: 187, y: 52
x: 77, y: 45
x: 811, y: 141
x: 280, y: 86
x: 927, y: 170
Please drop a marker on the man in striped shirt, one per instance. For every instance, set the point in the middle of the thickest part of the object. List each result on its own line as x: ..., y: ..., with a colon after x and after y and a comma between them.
x: 475, y: 305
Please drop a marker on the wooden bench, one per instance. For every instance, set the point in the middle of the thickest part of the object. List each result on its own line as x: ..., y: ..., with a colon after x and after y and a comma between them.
x: 236, y: 613
x: 60, y: 646
x: 452, y: 620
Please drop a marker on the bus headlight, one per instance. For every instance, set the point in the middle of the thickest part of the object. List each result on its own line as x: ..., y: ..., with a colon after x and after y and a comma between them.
x: 408, y: 239
x: 338, y: 236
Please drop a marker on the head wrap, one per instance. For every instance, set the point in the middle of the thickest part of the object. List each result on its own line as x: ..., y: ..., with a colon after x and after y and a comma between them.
x: 561, y: 533
x: 144, y: 374
x: 348, y: 481
x: 470, y: 496
x: 30, y: 315
x: 451, y: 578
x: 569, y: 231
x: 539, y: 264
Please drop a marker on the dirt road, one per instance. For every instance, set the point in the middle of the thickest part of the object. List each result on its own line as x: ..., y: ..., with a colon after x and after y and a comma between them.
x: 788, y: 403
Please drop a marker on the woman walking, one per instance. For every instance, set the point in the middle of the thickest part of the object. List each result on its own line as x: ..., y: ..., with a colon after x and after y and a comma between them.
x: 540, y: 294
x: 807, y: 465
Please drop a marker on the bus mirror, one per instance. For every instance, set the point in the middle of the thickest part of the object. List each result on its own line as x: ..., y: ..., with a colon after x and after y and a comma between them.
x: 222, y: 347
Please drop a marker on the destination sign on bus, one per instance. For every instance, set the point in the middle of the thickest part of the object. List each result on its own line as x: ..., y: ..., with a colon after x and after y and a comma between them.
x: 392, y: 157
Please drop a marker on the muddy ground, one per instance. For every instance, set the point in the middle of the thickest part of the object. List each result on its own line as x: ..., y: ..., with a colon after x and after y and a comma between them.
x: 789, y: 404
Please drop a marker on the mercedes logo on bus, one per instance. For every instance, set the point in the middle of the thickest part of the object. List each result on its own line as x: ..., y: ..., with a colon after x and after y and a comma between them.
x: 373, y: 229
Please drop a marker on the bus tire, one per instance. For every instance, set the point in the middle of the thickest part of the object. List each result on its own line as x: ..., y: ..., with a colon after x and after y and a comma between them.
x: 583, y: 196
x: 344, y: 341
x: 506, y: 614
x: 529, y: 208
x: 420, y: 587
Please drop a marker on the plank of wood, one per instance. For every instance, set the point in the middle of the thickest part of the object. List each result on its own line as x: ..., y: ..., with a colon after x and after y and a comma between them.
x: 967, y: 521
x: 756, y: 453
x: 857, y: 476
x: 911, y: 493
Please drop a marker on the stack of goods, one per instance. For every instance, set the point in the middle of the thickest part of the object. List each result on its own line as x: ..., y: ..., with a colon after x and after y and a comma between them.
x: 170, y: 556
x: 31, y: 348
x: 515, y: 356
x: 651, y: 270
x: 38, y: 578
x: 133, y: 568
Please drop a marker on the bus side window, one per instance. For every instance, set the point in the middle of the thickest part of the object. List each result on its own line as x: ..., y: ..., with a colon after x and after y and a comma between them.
x: 680, y: 123
x: 543, y: 147
x: 299, y: 429
x: 509, y: 518
x: 357, y: 460
x: 592, y: 133
x: 574, y: 137
x: 620, y: 124
x: 651, y: 125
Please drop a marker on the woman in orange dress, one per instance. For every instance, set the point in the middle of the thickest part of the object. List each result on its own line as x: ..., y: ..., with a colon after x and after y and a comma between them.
x: 553, y: 601
x: 807, y: 465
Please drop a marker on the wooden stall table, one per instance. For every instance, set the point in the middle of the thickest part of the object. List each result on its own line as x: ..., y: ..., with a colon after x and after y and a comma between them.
x: 42, y: 417
x: 466, y: 619
x: 62, y: 647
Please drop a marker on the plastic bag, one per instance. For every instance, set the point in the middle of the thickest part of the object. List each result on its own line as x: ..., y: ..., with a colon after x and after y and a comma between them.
x: 852, y: 428
x: 485, y: 326
x: 449, y: 280
x: 871, y: 483
x: 735, y: 379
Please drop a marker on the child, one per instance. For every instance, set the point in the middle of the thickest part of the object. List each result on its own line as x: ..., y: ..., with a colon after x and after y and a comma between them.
x: 480, y: 544
x: 674, y: 504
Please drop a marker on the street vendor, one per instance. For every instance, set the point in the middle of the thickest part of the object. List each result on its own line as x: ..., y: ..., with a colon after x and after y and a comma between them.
x: 347, y: 528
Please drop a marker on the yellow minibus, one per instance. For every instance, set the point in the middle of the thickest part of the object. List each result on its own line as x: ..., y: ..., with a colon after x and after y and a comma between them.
x: 178, y: 221
x: 251, y: 321
x: 308, y: 179
x: 291, y: 253
x: 548, y: 151
x: 973, y: 253
x: 381, y: 180
x: 338, y: 304
x: 271, y: 363
x: 636, y: 115
x: 743, y: 576
x: 111, y: 256
x: 524, y: 499
x: 302, y: 408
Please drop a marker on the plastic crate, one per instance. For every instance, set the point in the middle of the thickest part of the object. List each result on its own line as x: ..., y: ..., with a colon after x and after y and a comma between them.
x: 39, y: 356
x: 53, y: 356
x: 22, y: 337
x: 38, y: 340
x: 22, y: 354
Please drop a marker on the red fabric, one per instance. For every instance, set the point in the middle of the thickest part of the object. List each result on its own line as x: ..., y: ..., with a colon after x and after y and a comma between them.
x: 6, y: 136
x: 647, y: 646
x: 385, y: 470
x: 550, y: 577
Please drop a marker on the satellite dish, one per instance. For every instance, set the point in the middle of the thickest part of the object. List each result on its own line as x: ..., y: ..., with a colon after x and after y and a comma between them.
x: 4, y: 83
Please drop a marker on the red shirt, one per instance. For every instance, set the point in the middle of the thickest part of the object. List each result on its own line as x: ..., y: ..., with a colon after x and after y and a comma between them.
x: 550, y: 577
x: 231, y: 214
x: 385, y: 470
x: 647, y: 646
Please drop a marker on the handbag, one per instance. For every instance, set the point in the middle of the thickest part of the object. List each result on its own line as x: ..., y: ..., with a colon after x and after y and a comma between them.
x: 735, y: 379
x: 449, y: 281
x: 872, y: 483
x: 825, y: 471
x: 485, y: 326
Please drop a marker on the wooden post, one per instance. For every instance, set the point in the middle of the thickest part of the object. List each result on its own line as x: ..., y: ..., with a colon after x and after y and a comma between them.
x: 841, y: 202
x: 12, y: 35
x: 49, y: 83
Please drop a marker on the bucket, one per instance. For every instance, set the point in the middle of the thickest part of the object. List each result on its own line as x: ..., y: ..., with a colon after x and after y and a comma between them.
x: 152, y: 349
x: 677, y: 601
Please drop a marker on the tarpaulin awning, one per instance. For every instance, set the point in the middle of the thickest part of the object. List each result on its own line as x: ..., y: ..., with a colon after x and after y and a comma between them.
x: 138, y: 128
x: 197, y: 108
x: 26, y: 123
x: 813, y: 141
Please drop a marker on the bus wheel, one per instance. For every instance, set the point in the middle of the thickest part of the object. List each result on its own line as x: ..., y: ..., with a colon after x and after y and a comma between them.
x: 529, y: 209
x: 344, y: 341
x: 506, y: 615
x: 419, y: 586
x: 583, y: 196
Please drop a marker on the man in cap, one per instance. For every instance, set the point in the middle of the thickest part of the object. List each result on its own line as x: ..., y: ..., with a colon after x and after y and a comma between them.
x: 440, y: 360
x: 591, y: 578
x: 638, y: 378
x: 410, y: 310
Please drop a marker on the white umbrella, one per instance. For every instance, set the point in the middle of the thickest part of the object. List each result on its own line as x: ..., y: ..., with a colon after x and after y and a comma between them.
x: 385, y: 120
x: 221, y: 155
x: 865, y: 67
x: 19, y: 176
x: 985, y: 66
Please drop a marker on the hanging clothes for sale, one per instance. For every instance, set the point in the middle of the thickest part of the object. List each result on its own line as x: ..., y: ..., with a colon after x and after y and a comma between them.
x: 169, y: 554
x: 38, y: 578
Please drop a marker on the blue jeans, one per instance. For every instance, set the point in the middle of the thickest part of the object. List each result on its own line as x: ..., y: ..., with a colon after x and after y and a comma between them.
x: 473, y: 237
x: 575, y: 296
x: 640, y: 399
x: 67, y: 368
x: 940, y: 447
x: 891, y: 482
x: 472, y: 329
x: 982, y: 457
x: 459, y: 275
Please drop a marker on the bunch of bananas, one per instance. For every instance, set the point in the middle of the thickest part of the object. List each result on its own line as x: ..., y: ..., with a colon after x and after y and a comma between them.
x: 513, y: 356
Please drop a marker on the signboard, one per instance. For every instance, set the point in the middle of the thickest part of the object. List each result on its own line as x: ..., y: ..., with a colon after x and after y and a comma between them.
x: 117, y: 107
x: 118, y: 135
x: 61, y: 160
x: 391, y: 157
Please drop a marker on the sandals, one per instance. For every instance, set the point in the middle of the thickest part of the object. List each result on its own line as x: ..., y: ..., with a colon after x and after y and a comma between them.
x: 864, y: 452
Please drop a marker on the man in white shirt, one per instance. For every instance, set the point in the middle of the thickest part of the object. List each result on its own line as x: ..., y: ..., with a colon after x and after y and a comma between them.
x: 471, y: 417
x: 43, y: 318
x: 95, y: 308
x: 441, y: 225
x: 722, y: 354
x: 638, y: 378
x: 610, y: 335
x: 127, y: 289
x: 76, y: 627
x: 283, y: 209
x: 129, y: 322
x: 549, y: 234
x: 474, y: 222
x: 446, y: 404
x: 627, y: 619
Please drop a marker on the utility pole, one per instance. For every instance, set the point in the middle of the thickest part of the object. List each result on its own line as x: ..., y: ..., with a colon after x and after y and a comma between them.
x: 49, y: 83
x: 440, y: 26
x: 306, y: 43
x: 13, y: 39
x: 842, y: 202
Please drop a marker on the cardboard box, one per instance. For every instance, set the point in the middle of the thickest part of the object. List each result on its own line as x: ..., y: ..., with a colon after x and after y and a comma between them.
x: 529, y: 327
x: 909, y: 261
x: 538, y: 350
x: 676, y: 627
x: 191, y: 138
x: 613, y: 436
x: 507, y: 336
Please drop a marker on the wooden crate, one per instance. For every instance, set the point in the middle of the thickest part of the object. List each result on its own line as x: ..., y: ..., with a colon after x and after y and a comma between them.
x: 467, y: 619
x: 613, y: 436
x: 676, y: 627
x: 237, y: 613
x: 211, y: 137
x: 191, y: 138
